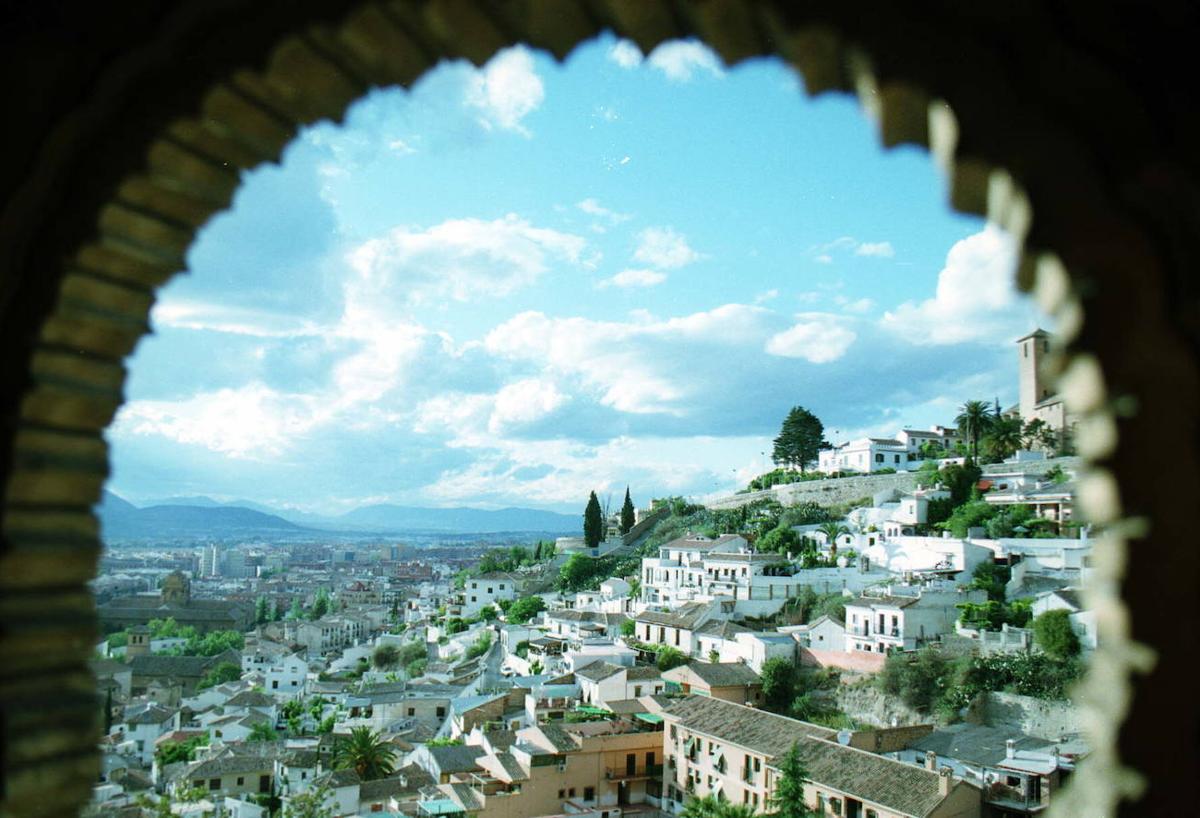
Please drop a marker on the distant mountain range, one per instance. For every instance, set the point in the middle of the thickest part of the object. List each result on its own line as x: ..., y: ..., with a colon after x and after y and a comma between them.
x: 202, y: 517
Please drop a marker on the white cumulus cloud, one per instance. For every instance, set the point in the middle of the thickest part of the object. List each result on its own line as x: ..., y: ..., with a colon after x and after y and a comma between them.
x: 664, y: 248
x: 459, y: 259
x: 680, y: 60
x: 506, y: 90
x: 975, y: 299
x: 625, y: 54
x: 818, y: 338
x: 634, y: 278
x: 245, y: 422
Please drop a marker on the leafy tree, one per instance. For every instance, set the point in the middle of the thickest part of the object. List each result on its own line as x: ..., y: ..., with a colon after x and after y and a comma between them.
x: 787, y: 801
x: 627, y: 513
x: 386, y: 656
x: 974, y: 514
x: 413, y: 651
x: 320, y: 605
x: 669, y: 657
x: 365, y: 753
x: 295, y: 611
x: 780, y: 540
x: 974, y: 420
x: 593, y: 522
x: 800, y: 438
x: 578, y: 572
x: 480, y: 646
x: 263, y: 732
x: 416, y: 668
x: 990, y: 577
x: 262, y: 610
x: 172, y: 752
x: 444, y: 741
x: 312, y: 803
x: 928, y: 475
x: 628, y: 628
x: 960, y: 481
x: 1039, y: 435
x: 919, y: 679
x: 778, y: 683
x: 219, y: 675
x: 1053, y: 633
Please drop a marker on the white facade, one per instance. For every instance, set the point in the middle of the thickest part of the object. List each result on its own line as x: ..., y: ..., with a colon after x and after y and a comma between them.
x: 866, y: 454
x: 905, y: 617
x: 480, y: 592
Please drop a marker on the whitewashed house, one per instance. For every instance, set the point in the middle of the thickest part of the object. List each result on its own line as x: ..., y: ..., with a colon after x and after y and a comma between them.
x: 904, y: 617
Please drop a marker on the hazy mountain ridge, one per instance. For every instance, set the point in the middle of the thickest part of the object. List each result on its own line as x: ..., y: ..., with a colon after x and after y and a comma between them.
x: 201, y: 517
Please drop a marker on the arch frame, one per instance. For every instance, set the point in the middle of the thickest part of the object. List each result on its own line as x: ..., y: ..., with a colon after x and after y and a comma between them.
x: 135, y: 142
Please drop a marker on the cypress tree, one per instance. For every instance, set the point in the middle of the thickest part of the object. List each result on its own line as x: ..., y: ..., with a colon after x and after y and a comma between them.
x: 627, y: 514
x: 593, y: 522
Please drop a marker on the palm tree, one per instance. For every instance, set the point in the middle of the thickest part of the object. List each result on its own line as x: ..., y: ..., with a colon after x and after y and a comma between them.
x: 973, y: 421
x: 1005, y: 436
x: 365, y: 753
x: 832, y: 530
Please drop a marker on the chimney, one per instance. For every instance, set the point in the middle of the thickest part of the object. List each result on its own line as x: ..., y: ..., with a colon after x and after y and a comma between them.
x: 931, y: 761
x: 1010, y: 749
x: 945, y: 781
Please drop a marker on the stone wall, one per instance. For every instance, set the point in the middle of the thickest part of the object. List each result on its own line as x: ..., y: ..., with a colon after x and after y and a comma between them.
x: 845, y: 489
x: 825, y: 492
x: 1038, y: 717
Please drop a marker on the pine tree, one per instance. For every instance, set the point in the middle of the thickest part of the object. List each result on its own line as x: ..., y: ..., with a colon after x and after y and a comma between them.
x: 788, y: 799
x: 262, y: 611
x: 593, y: 522
x: 627, y: 513
x: 800, y: 438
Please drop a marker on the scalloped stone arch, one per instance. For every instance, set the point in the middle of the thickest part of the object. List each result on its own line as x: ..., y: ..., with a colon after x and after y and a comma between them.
x: 107, y: 207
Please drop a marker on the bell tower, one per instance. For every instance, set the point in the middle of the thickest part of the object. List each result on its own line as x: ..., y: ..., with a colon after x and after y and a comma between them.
x: 1032, y: 350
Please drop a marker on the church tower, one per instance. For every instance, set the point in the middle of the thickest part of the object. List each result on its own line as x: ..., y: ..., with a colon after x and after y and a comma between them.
x: 176, y: 589
x: 1032, y: 351
x: 139, y: 642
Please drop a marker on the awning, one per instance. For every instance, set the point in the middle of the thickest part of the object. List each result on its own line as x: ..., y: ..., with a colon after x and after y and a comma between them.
x: 650, y: 718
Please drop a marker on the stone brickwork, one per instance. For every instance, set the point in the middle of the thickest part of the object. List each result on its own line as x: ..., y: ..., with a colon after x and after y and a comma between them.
x: 823, y: 492
x: 1065, y: 123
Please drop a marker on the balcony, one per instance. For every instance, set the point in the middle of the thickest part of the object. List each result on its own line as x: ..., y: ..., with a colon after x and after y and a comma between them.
x: 637, y: 773
x: 1009, y: 797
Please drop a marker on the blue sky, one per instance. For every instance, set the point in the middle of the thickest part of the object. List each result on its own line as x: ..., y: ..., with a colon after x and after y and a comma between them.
x: 515, y: 284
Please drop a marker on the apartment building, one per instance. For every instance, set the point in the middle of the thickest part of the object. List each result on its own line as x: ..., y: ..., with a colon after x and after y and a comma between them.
x: 552, y: 769
x: 731, y: 752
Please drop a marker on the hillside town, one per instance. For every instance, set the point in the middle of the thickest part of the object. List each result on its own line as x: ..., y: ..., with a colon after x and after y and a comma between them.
x: 884, y: 630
